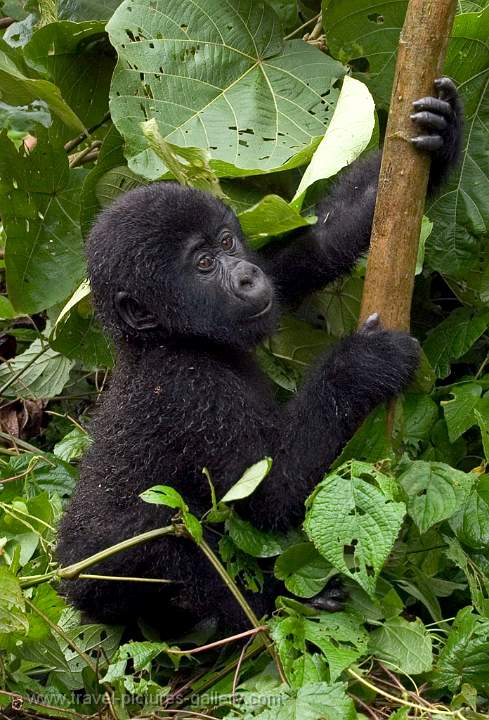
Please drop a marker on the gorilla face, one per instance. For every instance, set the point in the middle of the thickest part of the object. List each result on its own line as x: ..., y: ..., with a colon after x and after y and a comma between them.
x: 167, y: 260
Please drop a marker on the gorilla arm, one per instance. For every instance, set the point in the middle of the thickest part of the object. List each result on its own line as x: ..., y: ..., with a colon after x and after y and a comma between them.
x: 367, y: 368
x: 330, y: 249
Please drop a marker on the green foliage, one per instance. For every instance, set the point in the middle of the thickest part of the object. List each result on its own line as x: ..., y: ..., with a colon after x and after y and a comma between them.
x: 99, y: 97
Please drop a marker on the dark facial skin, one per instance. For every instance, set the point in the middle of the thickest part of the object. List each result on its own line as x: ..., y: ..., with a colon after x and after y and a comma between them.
x: 221, y: 266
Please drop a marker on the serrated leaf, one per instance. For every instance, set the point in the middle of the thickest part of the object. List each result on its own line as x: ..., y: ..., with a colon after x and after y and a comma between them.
x: 141, y: 654
x: 340, y: 637
x: 354, y: 526
x: 405, y: 645
x: 304, y: 571
x: 435, y: 492
x: 336, y: 307
x: 483, y: 422
x: 109, y: 178
x: 478, y: 582
x: 471, y: 523
x: 219, y: 77
x: 453, y: 337
x: 251, y: 478
x: 73, y: 445
x: 40, y: 208
x: 257, y: 543
x: 45, y: 375
x: 465, y: 656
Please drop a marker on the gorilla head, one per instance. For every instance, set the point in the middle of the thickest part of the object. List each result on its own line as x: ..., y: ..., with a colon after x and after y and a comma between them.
x: 167, y: 261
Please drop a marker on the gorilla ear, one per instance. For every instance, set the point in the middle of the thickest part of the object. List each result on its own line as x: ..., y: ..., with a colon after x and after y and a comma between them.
x: 133, y: 313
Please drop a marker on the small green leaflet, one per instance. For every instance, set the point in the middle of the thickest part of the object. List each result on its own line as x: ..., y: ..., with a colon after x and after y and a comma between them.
x: 249, y: 481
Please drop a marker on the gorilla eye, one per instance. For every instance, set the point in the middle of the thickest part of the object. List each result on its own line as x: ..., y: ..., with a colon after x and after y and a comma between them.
x: 205, y: 262
x: 227, y: 242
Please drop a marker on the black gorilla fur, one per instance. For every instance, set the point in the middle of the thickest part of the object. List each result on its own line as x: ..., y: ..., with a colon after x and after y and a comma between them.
x: 186, y: 302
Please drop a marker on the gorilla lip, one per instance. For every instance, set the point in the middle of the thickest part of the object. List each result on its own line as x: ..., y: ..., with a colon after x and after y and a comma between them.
x: 265, y: 310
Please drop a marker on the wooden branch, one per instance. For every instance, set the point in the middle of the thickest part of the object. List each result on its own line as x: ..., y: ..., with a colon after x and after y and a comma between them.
x: 404, y: 173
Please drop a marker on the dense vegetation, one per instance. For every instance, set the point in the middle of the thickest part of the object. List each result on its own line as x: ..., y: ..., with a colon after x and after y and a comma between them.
x: 98, y: 97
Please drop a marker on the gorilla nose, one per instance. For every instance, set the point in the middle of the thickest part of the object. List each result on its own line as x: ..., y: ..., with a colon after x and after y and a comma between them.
x: 250, y: 284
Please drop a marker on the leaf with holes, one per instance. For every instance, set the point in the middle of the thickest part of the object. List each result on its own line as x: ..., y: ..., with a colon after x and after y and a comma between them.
x: 304, y: 571
x: 365, y: 34
x: 40, y: 208
x: 217, y: 75
x: 435, y: 491
x: 353, y: 524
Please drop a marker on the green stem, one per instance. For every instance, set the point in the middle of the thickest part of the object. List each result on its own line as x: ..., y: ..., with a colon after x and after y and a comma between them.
x: 230, y: 584
x: 73, y: 571
x: 242, y: 602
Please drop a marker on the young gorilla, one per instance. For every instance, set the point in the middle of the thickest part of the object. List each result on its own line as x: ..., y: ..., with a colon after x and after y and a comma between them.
x: 186, y: 302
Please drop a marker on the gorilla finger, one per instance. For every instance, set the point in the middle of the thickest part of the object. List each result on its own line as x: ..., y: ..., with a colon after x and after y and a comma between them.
x: 336, y: 593
x: 430, y: 143
x: 447, y: 90
x: 429, y: 120
x: 371, y: 323
x: 327, y: 604
x: 433, y: 105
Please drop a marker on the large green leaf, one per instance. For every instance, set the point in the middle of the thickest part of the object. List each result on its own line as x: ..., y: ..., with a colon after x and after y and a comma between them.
x: 460, y: 410
x: 465, y: 656
x: 303, y: 570
x: 218, y: 76
x: 451, y: 339
x: 78, y: 335
x: 435, y: 491
x: 471, y: 523
x: 353, y: 524
x: 365, y: 33
x: 18, y: 89
x: 405, y: 645
x: 40, y: 371
x: 86, y: 10
x: 79, y: 60
x: 347, y: 136
x: 461, y: 212
x: 40, y: 208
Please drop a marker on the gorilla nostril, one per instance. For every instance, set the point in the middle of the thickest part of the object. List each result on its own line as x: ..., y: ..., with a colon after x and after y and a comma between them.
x: 246, y: 282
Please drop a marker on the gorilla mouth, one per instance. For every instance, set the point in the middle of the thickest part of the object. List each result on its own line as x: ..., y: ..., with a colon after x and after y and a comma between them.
x: 262, y: 312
